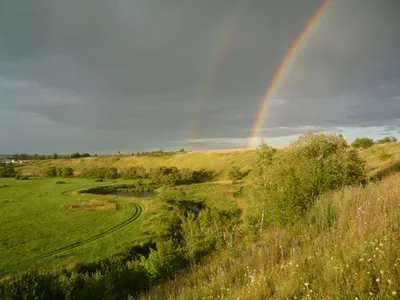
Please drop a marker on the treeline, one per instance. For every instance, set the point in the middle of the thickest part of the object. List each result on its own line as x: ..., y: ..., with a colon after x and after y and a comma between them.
x: 24, y: 156
x: 162, y: 175
x: 364, y: 142
x: 159, y: 153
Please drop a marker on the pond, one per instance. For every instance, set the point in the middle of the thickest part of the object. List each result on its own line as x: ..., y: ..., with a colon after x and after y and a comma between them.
x: 124, y: 190
x: 135, y: 194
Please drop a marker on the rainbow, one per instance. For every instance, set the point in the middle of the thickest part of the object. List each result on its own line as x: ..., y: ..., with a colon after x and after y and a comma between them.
x: 300, y: 40
x: 227, y: 34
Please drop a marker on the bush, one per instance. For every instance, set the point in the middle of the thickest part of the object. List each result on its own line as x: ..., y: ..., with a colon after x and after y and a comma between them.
x: 7, y: 170
x: 286, y: 185
x: 60, y: 182
x: 235, y: 174
x: 162, y: 263
x: 51, y: 172
x: 99, y: 180
x: 362, y: 143
x: 100, y: 172
x: 386, y: 140
x: 65, y: 172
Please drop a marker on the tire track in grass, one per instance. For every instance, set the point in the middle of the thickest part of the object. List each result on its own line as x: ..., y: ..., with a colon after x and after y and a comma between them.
x: 137, y: 211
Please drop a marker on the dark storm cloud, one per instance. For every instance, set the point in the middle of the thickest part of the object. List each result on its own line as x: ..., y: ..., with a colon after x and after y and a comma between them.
x: 97, y: 74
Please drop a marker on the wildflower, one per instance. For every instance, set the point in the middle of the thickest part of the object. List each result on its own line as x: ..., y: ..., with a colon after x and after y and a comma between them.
x: 361, y: 259
x: 389, y: 281
x: 306, y: 284
x: 394, y: 293
x: 377, y: 280
x: 381, y: 272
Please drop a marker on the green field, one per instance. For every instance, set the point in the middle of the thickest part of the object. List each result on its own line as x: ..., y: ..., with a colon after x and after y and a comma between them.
x: 45, y: 225
x: 37, y: 229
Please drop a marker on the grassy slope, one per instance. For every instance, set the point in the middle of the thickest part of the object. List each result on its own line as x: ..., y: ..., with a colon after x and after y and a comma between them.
x: 381, y: 160
x: 33, y: 224
x: 218, y: 161
x: 349, y: 254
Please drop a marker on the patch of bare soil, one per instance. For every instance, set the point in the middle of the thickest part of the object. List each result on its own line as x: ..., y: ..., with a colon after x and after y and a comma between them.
x: 92, y: 205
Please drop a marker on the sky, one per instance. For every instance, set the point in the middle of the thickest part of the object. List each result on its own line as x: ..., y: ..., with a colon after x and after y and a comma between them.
x: 100, y: 76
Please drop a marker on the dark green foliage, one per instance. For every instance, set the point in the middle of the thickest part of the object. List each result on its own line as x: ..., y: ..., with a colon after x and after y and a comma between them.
x: 50, y: 172
x: 168, y: 175
x: 158, y: 153
x: 164, y: 262
x: 24, y: 156
x: 235, y: 173
x: 7, y: 170
x: 134, y: 173
x: 75, y: 155
x: 65, y: 172
x: 99, y: 180
x: 112, y: 189
x: 100, y: 172
x: 60, y: 182
x: 386, y: 140
x: 362, y: 143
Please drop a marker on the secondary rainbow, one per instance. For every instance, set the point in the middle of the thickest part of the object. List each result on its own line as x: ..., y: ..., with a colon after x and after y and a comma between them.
x: 227, y: 34
x: 300, y: 40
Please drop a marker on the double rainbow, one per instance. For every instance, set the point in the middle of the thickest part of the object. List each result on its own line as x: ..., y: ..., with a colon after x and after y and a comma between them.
x: 301, y: 39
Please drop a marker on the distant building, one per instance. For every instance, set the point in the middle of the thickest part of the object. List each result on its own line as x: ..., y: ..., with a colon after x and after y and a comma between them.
x: 8, y: 161
x: 119, y: 153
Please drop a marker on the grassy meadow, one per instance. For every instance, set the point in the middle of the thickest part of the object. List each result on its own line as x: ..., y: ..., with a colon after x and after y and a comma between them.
x: 37, y: 226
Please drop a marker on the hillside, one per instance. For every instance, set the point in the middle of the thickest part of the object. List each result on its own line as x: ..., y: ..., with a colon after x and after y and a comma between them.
x: 346, y: 248
x: 381, y: 160
x: 220, y: 161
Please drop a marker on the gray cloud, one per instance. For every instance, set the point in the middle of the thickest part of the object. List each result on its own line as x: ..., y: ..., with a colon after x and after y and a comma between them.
x: 99, y: 75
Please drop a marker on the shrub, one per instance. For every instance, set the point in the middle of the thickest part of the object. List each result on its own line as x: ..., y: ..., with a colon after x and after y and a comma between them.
x: 99, y: 172
x: 7, y: 170
x: 286, y: 185
x: 60, y: 182
x: 388, y: 139
x: 65, y: 172
x: 50, y: 172
x: 362, y: 143
x: 235, y: 174
x: 99, y: 180
x: 162, y: 263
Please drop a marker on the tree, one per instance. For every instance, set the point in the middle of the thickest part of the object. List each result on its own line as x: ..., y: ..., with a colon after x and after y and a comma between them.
x: 362, y: 143
x: 286, y: 185
x: 264, y: 159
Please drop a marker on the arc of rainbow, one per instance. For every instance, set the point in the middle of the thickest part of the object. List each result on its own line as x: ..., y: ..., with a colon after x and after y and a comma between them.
x: 227, y: 35
x: 302, y: 37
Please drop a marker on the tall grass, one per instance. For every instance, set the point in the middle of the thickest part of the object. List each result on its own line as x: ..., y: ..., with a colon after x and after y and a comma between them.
x: 346, y: 247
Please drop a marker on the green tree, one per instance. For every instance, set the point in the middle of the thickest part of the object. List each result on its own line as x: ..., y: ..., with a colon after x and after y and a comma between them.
x: 287, y: 184
x: 362, y: 143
